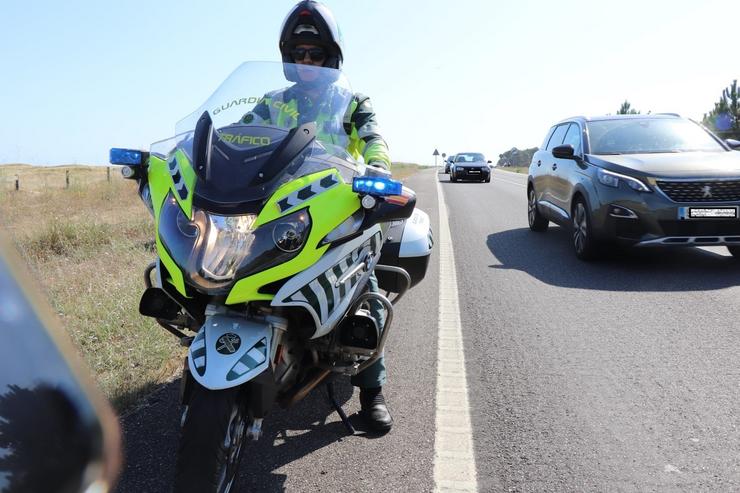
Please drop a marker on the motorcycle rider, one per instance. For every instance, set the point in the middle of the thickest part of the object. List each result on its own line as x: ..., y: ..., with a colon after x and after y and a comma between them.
x: 310, y: 37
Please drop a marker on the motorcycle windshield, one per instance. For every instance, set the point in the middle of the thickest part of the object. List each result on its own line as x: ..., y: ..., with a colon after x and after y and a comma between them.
x: 243, y: 142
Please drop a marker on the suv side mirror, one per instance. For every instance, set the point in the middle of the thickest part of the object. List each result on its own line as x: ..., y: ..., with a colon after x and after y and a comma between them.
x: 734, y: 144
x: 564, y: 152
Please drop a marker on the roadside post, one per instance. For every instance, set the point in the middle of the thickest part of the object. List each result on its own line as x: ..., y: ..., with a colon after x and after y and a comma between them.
x: 66, y: 178
x: 17, y: 183
x: 435, y: 154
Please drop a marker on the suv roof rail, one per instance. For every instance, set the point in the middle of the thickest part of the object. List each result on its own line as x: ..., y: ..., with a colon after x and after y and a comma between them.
x: 668, y: 114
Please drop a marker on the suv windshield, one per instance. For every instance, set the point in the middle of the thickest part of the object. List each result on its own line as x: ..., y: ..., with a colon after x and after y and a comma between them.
x: 649, y: 135
x: 233, y: 141
x: 469, y: 157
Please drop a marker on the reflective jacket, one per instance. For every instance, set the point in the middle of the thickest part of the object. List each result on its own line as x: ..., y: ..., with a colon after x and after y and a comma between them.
x: 290, y: 107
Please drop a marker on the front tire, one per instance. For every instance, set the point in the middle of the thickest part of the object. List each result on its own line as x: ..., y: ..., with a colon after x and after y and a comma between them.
x: 211, y: 441
x: 584, y: 244
x: 537, y: 222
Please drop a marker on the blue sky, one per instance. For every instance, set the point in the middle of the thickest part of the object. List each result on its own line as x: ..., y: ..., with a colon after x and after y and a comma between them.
x: 81, y: 76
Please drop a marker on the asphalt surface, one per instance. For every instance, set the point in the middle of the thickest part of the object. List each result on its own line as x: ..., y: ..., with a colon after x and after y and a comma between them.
x: 618, y: 375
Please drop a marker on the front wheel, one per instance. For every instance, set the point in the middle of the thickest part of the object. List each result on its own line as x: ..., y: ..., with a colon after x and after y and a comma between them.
x: 211, y: 440
x: 584, y: 244
x: 536, y: 221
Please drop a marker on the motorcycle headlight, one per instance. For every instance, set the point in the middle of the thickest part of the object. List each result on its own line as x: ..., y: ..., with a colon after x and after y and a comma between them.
x: 178, y: 233
x: 213, y: 250
x: 611, y: 179
x: 276, y: 242
x: 227, y: 244
x: 290, y: 233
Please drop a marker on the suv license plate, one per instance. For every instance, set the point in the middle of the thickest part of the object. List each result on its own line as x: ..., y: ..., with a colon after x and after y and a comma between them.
x: 707, y: 213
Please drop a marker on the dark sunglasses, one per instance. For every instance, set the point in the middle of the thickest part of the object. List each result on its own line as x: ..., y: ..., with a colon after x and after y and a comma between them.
x: 316, y: 54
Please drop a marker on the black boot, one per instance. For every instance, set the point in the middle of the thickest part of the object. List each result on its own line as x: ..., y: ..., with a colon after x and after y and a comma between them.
x: 374, y: 410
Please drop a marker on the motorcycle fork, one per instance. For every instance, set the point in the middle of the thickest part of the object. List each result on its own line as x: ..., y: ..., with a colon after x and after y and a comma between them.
x: 186, y: 384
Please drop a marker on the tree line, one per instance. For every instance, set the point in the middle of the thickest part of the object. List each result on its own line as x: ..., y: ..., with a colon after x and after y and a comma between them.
x: 723, y: 119
x: 516, y: 157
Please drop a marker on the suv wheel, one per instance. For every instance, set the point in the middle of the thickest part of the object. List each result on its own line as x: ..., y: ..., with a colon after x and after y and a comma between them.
x: 583, y: 242
x: 536, y: 221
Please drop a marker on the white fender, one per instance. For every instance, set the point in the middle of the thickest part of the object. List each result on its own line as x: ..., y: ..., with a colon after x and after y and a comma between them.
x: 229, y: 351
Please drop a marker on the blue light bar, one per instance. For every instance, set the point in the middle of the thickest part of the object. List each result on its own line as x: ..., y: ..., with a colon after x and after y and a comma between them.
x: 377, y: 186
x: 125, y: 156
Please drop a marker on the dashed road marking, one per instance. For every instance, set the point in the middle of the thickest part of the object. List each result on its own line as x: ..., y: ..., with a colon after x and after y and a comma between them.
x: 454, y: 459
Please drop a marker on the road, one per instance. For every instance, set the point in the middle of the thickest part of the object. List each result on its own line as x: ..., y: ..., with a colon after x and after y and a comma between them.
x: 619, y: 375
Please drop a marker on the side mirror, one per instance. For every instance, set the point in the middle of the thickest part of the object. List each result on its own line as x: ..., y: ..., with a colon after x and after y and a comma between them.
x: 389, y: 208
x: 734, y: 144
x: 564, y: 152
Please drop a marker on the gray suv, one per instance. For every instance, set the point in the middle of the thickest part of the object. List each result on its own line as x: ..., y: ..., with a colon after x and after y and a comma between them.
x: 643, y: 180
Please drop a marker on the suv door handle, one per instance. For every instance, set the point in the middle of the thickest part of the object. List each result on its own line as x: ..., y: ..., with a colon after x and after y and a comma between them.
x: 539, y: 163
x: 554, y: 166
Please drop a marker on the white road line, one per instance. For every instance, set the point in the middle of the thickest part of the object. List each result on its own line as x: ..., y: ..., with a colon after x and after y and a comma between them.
x: 454, y: 460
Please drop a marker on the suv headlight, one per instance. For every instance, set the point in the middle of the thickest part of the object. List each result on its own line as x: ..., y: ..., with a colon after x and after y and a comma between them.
x: 611, y: 179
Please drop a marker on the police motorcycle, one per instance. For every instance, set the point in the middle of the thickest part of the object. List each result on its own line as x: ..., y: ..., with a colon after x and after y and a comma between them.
x: 267, y: 232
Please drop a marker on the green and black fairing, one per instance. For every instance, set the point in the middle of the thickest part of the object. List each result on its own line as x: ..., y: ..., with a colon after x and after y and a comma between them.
x: 212, y: 186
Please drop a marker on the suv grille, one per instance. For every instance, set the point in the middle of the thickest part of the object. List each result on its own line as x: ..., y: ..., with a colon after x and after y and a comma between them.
x: 701, y: 191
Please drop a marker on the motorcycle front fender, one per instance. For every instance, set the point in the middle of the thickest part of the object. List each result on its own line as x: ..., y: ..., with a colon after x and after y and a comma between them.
x: 229, y: 351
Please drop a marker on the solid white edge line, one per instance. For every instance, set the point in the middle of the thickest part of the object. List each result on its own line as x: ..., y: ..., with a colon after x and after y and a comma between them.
x: 454, y: 459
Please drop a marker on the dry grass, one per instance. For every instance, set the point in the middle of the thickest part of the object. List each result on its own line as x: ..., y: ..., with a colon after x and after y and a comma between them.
x: 42, y: 178
x: 88, y: 247
x: 401, y: 171
x: 515, y: 169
